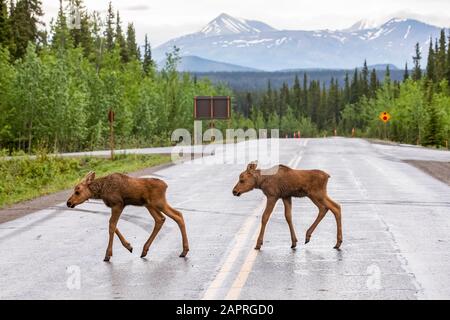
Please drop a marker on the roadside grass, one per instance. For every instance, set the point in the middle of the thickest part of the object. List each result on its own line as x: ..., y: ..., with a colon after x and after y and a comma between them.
x: 26, y: 178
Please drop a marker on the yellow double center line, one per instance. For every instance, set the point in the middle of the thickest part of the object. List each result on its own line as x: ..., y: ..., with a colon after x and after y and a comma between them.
x: 243, y: 233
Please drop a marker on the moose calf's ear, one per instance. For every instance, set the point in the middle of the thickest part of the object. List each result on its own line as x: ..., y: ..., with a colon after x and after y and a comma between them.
x: 252, y: 166
x: 89, y: 177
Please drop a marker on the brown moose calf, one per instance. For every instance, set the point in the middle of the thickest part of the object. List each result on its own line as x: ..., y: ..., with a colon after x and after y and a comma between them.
x: 118, y: 191
x: 282, y: 182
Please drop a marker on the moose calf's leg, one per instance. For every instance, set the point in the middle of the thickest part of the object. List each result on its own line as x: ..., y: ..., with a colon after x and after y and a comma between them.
x: 265, y: 218
x: 322, y: 212
x: 336, y: 209
x: 115, y: 215
x: 124, y: 241
x: 288, y: 214
x: 159, y: 221
x: 178, y: 218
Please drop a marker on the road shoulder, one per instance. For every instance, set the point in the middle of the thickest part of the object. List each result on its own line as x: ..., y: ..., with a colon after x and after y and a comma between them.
x: 436, y: 169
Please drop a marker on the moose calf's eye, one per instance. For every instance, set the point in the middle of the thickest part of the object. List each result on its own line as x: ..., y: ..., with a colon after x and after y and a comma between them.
x: 77, y: 193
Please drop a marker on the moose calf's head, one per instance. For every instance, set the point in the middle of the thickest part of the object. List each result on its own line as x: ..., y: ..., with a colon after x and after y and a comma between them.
x: 81, y: 192
x: 247, y: 180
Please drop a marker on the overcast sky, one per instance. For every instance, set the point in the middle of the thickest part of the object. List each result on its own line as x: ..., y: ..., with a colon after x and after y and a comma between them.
x: 166, y: 19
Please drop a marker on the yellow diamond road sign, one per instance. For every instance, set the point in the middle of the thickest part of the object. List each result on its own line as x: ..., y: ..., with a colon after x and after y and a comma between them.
x: 385, y: 117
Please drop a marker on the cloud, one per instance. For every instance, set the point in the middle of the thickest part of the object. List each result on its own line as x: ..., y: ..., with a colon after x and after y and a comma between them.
x: 137, y: 7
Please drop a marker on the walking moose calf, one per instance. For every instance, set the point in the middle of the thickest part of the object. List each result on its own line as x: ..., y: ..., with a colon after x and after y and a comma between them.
x: 282, y: 182
x: 118, y: 191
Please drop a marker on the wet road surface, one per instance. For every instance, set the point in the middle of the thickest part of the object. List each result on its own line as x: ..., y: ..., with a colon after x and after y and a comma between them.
x: 396, y: 222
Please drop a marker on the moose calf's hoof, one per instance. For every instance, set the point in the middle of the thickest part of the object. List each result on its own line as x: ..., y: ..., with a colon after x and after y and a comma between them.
x: 338, y: 245
x: 183, y: 254
x: 107, y: 259
x: 144, y: 254
x: 294, y: 245
x: 130, y: 248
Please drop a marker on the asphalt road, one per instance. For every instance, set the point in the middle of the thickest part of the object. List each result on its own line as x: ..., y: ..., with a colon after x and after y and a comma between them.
x: 396, y: 222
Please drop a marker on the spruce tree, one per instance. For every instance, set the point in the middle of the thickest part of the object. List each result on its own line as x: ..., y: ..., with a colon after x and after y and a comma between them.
x: 417, y: 72
x: 61, y: 38
x: 4, y: 24
x: 25, y: 21
x: 132, y: 46
x: 109, y: 32
x: 441, y: 58
x: 333, y: 102
x: 431, y: 76
x: 434, y: 127
x: 148, y: 61
x: 297, y: 97
x: 347, y: 90
x: 305, y: 96
x: 284, y: 99
x: 249, y: 105
x: 406, y: 74
x: 120, y: 40
x: 82, y: 35
x: 373, y: 83
x: 355, y: 88
x: 365, y: 80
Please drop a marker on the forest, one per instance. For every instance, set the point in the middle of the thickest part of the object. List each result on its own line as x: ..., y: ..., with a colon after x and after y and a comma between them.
x: 58, y: 82
x: 57, y: 86
x: 419, y: 103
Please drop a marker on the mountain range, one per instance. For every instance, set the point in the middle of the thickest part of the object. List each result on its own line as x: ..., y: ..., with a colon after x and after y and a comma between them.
x: 233, y: 44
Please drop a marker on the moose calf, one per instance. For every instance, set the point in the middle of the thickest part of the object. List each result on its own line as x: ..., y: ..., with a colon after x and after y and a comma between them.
x: 118, y: 191
x: 282, y: 182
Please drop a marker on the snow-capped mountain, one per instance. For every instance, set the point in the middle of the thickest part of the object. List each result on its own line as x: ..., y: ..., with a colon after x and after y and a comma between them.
x: 363, y: 25
x: 257, y: 45
x: 226, y: 25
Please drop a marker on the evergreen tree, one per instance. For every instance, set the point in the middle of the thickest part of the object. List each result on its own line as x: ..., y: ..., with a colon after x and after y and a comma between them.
x: 61, y: 38
x: 434, y: 127
x: 284, y: 100
x: 4, y: 24
x: 120, y: 41
x: 24, y: 21
x: 334, y: 108
x: 82, y: 34
x: 355, y: 88
x: 297, y: 98
x: 347, y: 90
x: 373, y: 83
x: 417, y: 72
x: 431, y: 76
x: 109, y: 32
x: 365, y: 80
x: 248, y: 105
x: 406, y: 74
x: 314, y: 100
x: 132, y: 46
x: 305, y: 95
x: 148, y: 61
x: 441, y: 58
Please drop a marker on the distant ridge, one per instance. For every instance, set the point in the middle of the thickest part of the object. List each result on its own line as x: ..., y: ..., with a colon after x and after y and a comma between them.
x: 197, y: 64
x: 257, y: 45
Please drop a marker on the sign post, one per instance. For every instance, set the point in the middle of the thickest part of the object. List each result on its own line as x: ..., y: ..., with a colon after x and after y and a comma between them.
x: 212, y: 108
x: 385, y: 117
x: 111, y: 118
